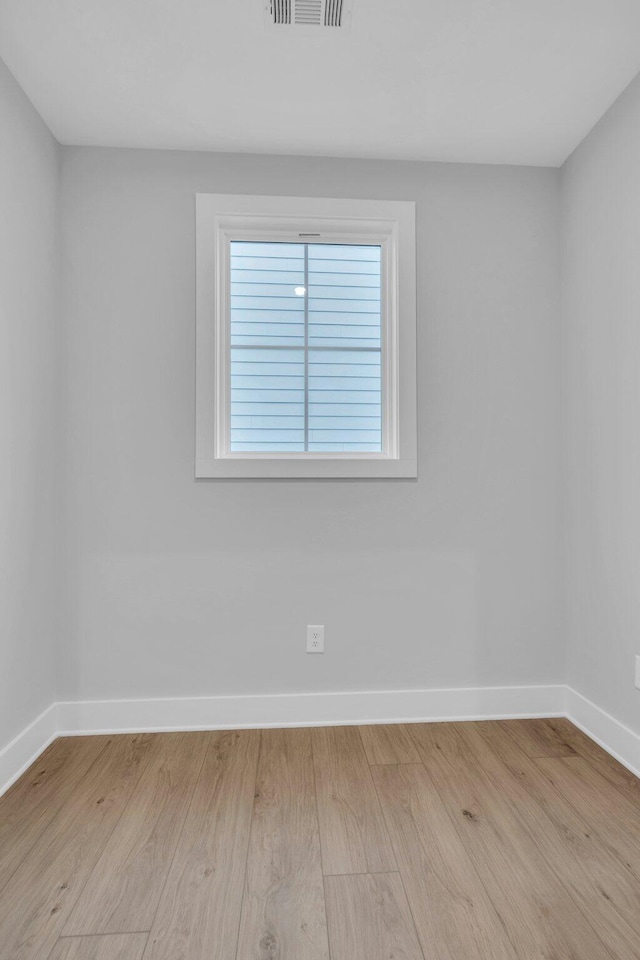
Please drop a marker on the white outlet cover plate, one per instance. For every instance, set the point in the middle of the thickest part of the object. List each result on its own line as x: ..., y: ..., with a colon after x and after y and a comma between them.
x: 315, y: 638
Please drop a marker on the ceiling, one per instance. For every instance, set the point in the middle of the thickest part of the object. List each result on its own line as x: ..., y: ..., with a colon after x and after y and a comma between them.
x: 494, y: 81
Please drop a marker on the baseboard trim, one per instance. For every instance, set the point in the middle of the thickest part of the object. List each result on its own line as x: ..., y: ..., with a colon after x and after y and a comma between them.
x: 612, y: 735
x: 23, y: 750
x: 77, y: 718
x: 309, y: 709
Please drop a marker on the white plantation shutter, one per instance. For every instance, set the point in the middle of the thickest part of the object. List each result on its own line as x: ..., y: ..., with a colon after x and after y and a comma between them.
x: 306, y: 347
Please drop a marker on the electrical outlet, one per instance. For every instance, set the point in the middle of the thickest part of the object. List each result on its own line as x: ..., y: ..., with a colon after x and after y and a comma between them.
x: 638, y: 672
x: 315, y: 639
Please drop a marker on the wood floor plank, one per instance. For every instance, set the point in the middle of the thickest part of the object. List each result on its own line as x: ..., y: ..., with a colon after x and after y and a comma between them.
x: 453, y: 914
x: 199, y: 912
x: 124, y: 889
x: 352, y: 830
x: 571, y: 735
x: 620, y: 778
x: 499, y: 855
x: 539, y: 738
x: 541, y: 918
x: 117, y: 946
x: 35, y: 904
x: 369, y: 919
x: 32, y: 802
x: 599, y: 882
x: 283, y: 912
x: 606, y: 765
x: 388, y: 743
x: 614, y: 817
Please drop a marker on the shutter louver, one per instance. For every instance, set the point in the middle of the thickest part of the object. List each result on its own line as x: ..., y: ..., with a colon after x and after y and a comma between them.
x: 305, y: 347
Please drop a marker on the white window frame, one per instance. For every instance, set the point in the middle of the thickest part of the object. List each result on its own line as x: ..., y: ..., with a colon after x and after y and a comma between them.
x: 222, y: 218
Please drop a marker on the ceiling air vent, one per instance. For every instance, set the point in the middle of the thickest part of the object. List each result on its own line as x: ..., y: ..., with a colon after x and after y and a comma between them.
x: 308, y: 14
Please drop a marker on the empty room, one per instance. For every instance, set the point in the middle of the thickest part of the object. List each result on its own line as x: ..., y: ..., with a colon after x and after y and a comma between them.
x: 319, y: 484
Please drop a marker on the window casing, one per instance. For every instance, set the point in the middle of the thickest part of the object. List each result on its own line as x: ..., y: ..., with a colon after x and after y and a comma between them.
x: 269, y: 357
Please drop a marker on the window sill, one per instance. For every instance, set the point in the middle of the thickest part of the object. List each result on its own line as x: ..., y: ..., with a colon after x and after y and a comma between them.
x: 305, y: 469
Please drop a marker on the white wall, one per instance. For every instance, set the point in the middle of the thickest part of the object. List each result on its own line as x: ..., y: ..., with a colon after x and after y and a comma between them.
x: 167, y: 587
x: 601, y: 302
x: 180, y: 588
x: 28, y: 376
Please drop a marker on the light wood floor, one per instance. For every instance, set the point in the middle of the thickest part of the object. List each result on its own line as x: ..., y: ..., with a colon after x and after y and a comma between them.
x: 510, y: 840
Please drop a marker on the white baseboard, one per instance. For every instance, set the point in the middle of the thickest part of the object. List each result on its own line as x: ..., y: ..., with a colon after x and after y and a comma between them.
x: 75, y: 718
x: 25, y: 749
x: 309, y: 709
x: 316, y: 709
x: 613, y: 736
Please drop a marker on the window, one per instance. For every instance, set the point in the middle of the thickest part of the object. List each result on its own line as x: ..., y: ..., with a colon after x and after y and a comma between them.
x: 306, y: 347
x: 305, y: 338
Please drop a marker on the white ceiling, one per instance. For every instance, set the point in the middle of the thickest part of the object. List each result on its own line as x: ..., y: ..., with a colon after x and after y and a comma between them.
x: 498, y: 81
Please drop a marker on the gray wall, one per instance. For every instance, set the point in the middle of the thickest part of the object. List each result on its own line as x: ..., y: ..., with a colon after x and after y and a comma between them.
x: 601, y: 300
x: 184, y: 588
x: 28, y: 424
